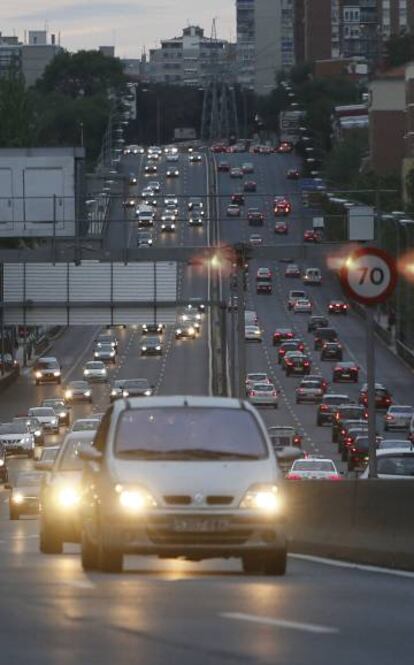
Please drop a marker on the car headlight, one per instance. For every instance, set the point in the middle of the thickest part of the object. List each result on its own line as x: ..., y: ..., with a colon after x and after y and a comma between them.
x: 62, y: 414
x: 87, y: 393
x: 68, y: 497
x: 54, y: 421
x: 257, y: 332
x: 56, y: 373
x: 17, y: 497
x: 125, y: 393
x: 263, y: 498
x: 26, y: 440
x: 158, y: 348
x: 1, y: 462
x: 143, y: 348
x: 191, y: 331
x: 86, y: 372
x: 178, y: 331
x: 38, y: 375
x: 114, y: 393
x: 136, y: 500
x: 38, y: 432
x: 96, y: 354
x: 148, y: 393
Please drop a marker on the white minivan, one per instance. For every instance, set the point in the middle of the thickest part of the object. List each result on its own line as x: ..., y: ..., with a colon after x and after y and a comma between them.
x: 312, y: 276
x: 182, y: 476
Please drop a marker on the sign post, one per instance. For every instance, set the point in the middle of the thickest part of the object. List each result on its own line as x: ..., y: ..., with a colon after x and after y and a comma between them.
x: 369, y: 276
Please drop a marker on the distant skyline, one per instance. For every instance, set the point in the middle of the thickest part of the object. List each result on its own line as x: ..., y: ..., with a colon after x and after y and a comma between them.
x: 129, y: 26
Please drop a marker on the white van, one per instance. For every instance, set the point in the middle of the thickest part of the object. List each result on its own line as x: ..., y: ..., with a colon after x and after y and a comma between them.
x: 312, y: 276
x: 145, y: 215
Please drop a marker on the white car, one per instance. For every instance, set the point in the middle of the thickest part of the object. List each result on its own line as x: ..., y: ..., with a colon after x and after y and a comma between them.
x: 95, y: 370
x: 168, y: 227
x: 309, y: 391
x: 85, y: 425
x: 264, y: 394
x: 172, y: 157
x: 312, y: 276
x: 171, y: 200
x: 255, y: 239
x: 393, y: 464
x: 46, y: 416
x: 194, y: 157
x: 155, y: 186
x: 144, y: 239
x: 252, y: 334
x: 256, y: 377
x: 236, y: 172
x: 398, y: 417
x: 172, y: 173
x: 302, y: 306
x: 233, y: 210
x: 106, y: 353
x: 317, y: 468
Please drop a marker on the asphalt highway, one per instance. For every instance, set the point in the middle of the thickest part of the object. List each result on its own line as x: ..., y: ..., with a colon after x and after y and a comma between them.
x: 166, y: 611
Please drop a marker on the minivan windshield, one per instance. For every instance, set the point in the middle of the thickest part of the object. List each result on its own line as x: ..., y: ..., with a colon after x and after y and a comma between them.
x: 189, y: 434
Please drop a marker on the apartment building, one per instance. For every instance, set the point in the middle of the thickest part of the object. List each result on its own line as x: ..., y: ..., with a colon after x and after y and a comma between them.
x: 10, y: 55
x: 188, y: 59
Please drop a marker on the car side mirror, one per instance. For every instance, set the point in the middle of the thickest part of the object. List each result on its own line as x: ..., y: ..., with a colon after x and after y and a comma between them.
x: 88, y: 453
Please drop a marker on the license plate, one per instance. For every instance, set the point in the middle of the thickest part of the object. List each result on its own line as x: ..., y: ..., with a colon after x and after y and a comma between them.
x: 200, y: 525
x: 346, y: 375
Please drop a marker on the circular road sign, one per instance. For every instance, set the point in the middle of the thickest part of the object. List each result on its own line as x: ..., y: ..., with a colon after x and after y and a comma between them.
x: 369, y: 275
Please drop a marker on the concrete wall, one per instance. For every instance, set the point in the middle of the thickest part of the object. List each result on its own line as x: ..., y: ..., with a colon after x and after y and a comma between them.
x: 366, y: 521
x: 35, y: 60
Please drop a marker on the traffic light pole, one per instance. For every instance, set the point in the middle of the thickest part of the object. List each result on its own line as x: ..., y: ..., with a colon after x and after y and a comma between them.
x: 372, y: 434
x: 241, y: 351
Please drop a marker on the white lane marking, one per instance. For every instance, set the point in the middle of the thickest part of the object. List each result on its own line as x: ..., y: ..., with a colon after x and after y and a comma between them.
x: 80, y: 584
x: 281, y: 623
x: 210, y: 348
x: 82, y: 355
x: 338, y: 563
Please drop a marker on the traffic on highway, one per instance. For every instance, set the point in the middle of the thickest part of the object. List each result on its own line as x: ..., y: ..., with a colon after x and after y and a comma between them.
x: 115, y: 456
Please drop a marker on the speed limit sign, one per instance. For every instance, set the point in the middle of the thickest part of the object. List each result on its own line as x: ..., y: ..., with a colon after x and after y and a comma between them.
x: 369, y: 275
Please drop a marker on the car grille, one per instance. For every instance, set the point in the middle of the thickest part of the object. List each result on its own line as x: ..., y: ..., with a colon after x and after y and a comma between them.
x: 164, y: 536
x: 11, y: 442
x: 186, y: 500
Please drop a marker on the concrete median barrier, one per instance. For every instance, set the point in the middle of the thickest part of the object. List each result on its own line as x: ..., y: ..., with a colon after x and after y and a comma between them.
x: 364, y: 521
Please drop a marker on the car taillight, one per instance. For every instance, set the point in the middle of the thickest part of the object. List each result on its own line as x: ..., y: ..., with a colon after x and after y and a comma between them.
x: 306, y: 363
x: 274, y: 393
x: 334, y: 477
x: 348, y: 440
x: 345, y: 307
x: 389, y: 417
x: 296, y: 439
x: 324, y: 407
x: 252, y: 393
x: 343, y: 431
x: 301, y: 390
x: 293, y: 476
x: 353, y: 450
x: 289, y: 362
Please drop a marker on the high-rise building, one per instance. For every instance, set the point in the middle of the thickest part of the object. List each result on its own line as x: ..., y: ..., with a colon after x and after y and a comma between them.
x: 188, y: 59
x: 10, y: 55
x: 348, y: 28
x: 37, y: 54
x: 265, y: 41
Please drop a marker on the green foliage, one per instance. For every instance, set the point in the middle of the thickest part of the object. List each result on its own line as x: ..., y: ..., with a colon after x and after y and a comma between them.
x: 344, y: 160
x: 16, y: 113
x: 82, y: 74
x: 409, y: 183
x: 399, y: 50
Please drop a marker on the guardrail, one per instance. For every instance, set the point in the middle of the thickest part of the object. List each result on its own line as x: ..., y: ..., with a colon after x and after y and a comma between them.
x: 364, y: 521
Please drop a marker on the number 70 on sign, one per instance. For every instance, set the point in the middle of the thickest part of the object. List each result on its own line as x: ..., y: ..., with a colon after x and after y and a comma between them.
x: 369, y: 275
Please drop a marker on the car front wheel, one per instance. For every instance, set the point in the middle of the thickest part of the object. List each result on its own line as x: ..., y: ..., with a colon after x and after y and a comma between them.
x: 89, y: 553
x: 110, y: 560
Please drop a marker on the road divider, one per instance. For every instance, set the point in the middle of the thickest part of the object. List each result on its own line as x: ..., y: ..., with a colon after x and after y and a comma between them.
x: 363, y: 521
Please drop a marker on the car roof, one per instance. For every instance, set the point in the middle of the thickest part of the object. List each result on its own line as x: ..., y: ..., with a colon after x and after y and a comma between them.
x: 194, y: 401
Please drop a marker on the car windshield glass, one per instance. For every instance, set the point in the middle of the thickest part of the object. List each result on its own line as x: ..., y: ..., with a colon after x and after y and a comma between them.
x: 256, y: 377
x: 28, y: 480
x: 47, y: 364
x: 396, y: 444
x: 332, y: 401
x: 403, y: 410
x: 138, y: 384
x: 189, y: 434
x: 320, y: 465
x: 396, y: 465
x: 310, y: 384
x: 54, y: 403
x: 85, y: 425
x: 263, y: 387
x: 70, y: 460
x: 13, y: 428
x: 80, y: 385
x: 93, y: 365
x: 47, y: 411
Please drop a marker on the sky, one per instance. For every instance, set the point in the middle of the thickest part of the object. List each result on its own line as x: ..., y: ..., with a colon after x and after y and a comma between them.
x: 128, y: 25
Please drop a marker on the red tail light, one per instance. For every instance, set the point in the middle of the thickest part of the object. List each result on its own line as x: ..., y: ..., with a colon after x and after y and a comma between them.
x: 389, y: 417
x: 301, y: 390
x: 353, y: 450
x: 306, y: 363
x: 252, y: 393
x: 348, y: 440
x: 324, y: 407
x: 334, y: 477
x: 293, y: 476
x: 296, y: 439
x: 274, y: 393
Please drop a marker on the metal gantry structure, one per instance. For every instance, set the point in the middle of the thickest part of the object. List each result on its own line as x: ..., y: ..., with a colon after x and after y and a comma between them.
x: 219, y: 118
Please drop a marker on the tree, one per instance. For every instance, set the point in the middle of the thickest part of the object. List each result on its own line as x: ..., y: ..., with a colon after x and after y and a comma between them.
x: 16, y: 113
x: 82, y: 74
x: 399, y: 49
x: 345, y: 158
